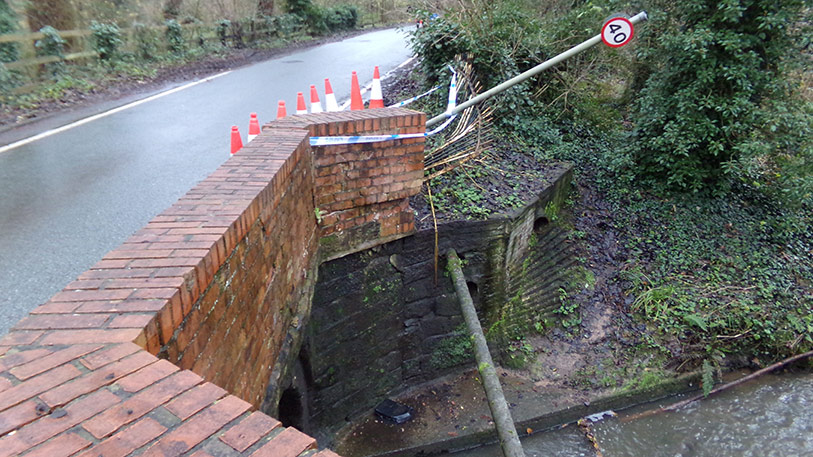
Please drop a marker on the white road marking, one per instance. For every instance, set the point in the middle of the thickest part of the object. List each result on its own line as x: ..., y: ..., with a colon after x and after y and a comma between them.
x: 95, y: 117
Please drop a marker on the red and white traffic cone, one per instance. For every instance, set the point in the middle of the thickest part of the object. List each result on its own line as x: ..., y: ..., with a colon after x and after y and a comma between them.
x: 300, y: 104
x: 330, y: 98
x: 356, y: 103
x: 236, y: 141
x: 281, y: 112
x: 376, y: 96
x: 316, y: 105
x: 253, y: 127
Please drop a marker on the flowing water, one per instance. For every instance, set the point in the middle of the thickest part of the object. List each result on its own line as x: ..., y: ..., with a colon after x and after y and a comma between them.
x: 770, y: 416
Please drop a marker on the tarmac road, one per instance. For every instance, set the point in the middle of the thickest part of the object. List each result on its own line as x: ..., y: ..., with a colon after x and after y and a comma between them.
x: 68, y: 199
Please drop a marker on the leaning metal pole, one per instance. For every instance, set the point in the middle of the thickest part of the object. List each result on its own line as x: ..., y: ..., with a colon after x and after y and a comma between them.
x: 528, y: 74
x: 509, y: 439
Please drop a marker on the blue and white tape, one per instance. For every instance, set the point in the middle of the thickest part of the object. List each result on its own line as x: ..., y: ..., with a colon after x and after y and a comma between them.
x: 415, y: 98
x: 339, y: 140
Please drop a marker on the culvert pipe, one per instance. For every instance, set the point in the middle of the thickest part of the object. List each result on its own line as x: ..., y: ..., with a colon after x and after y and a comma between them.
x: 503, y: 422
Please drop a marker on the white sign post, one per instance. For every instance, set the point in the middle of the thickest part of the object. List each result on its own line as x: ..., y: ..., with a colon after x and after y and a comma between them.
x: 617, y: 32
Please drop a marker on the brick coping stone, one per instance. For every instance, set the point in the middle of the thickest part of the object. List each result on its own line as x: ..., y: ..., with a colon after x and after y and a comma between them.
x: 79, y: 375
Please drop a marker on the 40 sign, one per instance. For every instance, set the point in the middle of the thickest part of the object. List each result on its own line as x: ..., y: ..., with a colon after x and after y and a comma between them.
x: 617, y: 32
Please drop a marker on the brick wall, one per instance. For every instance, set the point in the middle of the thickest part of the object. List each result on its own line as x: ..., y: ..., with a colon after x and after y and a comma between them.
x: 216, y: 285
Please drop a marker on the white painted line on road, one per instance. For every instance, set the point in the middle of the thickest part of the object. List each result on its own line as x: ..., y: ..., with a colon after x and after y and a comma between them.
x: 95, y: 117
x: 370, y: 84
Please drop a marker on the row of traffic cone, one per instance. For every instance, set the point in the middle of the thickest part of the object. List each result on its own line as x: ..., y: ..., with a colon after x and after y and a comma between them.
x: 356, y: 103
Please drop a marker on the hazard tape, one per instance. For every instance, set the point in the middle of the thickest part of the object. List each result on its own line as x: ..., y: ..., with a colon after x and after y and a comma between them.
x: 339, y: 140
x: 415, y: 98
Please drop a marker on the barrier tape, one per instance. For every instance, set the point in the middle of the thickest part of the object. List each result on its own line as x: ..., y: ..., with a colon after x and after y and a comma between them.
x: 415, y: 98
x: 339, y: 140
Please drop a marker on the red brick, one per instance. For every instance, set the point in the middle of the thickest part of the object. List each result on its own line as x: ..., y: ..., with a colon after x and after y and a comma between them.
x: 53, y: 360
x: 126, y: 441
x: 62, y: 446
x: 96, y: 379
x: 62, y: 321
x: 137, y: 406
x: 90, y: 336
x: 17, y: 416
x: 5, y: 384
x: 37, y: 385
x: 249, y: 431
x: 110, y: 355
x: 144, y: 283
x: 131, y: 321
x: 290, y: 443
x: 91, y: 295
x: 9, y: 361
x: 53, y: 307
x: 195, y: 400
x: 326, y: 453
x: 20, y: 337
x: 198, y: 428
x: 50, y: 426
x: 121, y: 306
x: 140, y: 254
x: 147, y: 376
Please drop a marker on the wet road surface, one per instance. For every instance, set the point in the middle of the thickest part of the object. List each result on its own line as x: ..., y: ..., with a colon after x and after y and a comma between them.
x: 70, y: 198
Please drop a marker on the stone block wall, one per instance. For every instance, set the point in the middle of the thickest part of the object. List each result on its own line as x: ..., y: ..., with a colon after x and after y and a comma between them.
x: 217, y: 285
x: 383, y: 320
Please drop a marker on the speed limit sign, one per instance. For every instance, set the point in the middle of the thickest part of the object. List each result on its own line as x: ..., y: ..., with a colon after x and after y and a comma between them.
x: 617, y: 32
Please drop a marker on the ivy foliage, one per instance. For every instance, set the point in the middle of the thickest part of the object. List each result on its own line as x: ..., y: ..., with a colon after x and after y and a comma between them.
x: 106, y: 40
x: 9, y: 52
x: 716, y: 104
x: 321, y: 20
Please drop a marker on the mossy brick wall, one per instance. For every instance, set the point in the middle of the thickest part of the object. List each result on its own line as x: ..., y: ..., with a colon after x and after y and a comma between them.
x: 381, y: 322
x: 211, y: 284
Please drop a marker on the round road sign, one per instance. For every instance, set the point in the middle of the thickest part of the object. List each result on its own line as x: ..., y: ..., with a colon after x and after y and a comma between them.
x: 617, y: 32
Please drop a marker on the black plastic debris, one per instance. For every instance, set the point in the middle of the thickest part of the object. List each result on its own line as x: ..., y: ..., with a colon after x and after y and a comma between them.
x: 393, y: 412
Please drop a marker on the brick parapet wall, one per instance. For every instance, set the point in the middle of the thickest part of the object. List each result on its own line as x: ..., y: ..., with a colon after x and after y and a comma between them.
x: 362, y: 190
x: 212, y: 284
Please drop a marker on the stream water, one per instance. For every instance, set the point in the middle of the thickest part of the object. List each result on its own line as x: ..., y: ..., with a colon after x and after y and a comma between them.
x: 770, y: 416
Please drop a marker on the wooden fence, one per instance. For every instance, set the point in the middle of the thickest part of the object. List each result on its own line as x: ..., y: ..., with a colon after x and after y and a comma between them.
x: 79, y: 43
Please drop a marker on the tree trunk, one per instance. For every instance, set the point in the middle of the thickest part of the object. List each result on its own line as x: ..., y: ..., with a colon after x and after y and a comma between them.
x: 265, y: 7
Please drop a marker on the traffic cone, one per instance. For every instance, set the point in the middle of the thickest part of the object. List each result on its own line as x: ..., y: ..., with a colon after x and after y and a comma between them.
x: 356, y: 103
x: 236, y: 141
x: 281, y: 112
x: 253, y: 127
x: 330, y: 98
x: 300, y: 104
x: 316, y: 105
x: 376, y: 96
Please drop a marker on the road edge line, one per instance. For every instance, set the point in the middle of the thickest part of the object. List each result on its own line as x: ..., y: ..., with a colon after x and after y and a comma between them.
x: 98, y: 116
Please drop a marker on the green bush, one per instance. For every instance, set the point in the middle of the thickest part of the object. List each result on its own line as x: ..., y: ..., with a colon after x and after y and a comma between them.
x: 52, y: 44
x: 9, y: 52
x: 174, y: 35
x: 147, y: 40
x: 716, y: 101
x: 342, y: 17
x: 223, y: 30
x: 106, y: 40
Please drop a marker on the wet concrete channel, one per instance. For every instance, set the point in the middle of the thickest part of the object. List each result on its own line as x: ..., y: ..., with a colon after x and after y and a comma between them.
x: 770, y: 416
